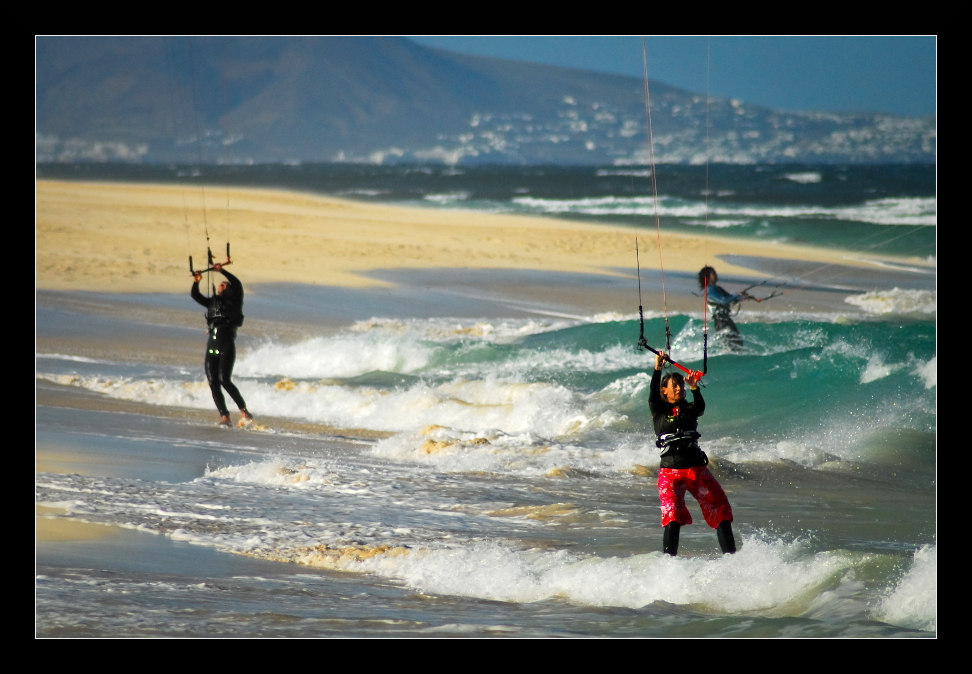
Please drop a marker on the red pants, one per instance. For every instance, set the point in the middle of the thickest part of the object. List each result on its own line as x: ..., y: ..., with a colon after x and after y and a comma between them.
x: 672, y: 483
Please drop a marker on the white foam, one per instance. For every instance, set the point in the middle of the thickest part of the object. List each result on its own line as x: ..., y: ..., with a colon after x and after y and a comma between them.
x: 365, y: 192
x: 76, y: 359
x: 645, y: 173
x: 764, y: 576
x: 895, y: 211
x: 914, y: 600
x: 896, y: 301
x: 928, y: 372
x: 272, y: 509
x: 877, y: 369
x: 334, y: 357
x: 447, y: 198
x: 516, y: 407
x: 718, y: 224
x: 277, y: 472
x: 451, y: 331
x: 409, y: 347
x: 154, y: 392
x: 805, y: 178
x: 492, y: 450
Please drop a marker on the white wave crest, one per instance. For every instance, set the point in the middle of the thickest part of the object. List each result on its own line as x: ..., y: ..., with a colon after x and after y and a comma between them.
x: 450, y: 331
x: 805, y: 178
x: 728, y: 584
x: 76, y: 359
x: 877, y: 369
x: 154, y: 392
x: 447, y: 198
x: 914, y: 600
x: 718, y: 224
x: 894, y: 211
x: 896, y: 301
x: 277, y: 472
x: 339, y: 356
x: 491, y: 450
x: 547, y: 410
x: 928, y: 372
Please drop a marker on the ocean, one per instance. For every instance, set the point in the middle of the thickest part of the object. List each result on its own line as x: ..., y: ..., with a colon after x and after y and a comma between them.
x: 485, y: 468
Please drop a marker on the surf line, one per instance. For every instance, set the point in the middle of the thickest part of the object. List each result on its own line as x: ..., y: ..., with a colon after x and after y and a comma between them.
x: 642, y: 342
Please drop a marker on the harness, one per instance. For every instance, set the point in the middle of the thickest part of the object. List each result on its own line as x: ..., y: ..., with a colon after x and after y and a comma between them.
x: 222, y: 312
x: 678, y: 441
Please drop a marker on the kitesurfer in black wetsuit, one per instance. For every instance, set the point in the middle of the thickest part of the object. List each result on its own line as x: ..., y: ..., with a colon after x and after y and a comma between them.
x: 224, y: 314
x: 722, y: 303
x: 683, y: 463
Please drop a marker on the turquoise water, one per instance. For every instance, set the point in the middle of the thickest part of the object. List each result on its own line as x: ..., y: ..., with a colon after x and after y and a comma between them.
x: 515, y: 464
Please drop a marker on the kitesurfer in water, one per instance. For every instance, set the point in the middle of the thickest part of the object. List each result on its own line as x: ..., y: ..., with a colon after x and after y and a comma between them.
x: 224, y: 314
x: 722, y: 302
x: 683, y: 463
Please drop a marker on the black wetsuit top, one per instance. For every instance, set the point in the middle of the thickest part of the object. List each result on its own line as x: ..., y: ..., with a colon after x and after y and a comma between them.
x: 223, y: 311
x: 677, y: 419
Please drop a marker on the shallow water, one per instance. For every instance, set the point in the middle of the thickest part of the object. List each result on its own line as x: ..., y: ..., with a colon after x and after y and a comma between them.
x: 496, y: 478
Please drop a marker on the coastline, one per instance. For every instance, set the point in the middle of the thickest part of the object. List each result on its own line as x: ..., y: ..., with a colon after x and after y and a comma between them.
x: 124, y: 238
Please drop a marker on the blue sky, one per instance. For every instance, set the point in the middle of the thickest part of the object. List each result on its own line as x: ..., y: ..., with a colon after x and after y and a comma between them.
x: 861, y: 74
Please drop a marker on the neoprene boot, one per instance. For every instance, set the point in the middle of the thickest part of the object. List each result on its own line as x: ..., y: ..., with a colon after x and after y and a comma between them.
x: 670, y: 541
x: 726, y: 541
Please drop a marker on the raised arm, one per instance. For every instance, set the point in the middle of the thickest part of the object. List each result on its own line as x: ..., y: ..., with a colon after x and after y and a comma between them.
x: 196, y: 295
x: 719, y: 295
x: 654, y: 391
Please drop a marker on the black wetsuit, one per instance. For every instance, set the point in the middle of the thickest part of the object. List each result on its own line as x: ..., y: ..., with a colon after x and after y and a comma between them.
x: 676, y: 425
x: 224, y: 314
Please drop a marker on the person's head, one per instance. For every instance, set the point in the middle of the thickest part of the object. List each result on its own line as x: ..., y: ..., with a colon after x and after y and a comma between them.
x: 707, y: 273
x: 224, y: 288
x: 673, y: 387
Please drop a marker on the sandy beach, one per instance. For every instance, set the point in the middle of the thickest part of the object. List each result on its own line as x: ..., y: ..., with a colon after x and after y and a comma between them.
x: 137, y: 238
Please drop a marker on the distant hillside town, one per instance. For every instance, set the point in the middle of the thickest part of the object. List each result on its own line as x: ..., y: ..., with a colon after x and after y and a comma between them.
x: 385, y: 100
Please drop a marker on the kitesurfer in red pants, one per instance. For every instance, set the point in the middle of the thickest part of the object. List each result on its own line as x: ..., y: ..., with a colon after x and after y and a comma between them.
x: 683, y: 463
x: 224, y: 314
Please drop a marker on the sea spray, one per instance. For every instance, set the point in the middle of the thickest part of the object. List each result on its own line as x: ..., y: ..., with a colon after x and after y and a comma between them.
x: 914, y: 600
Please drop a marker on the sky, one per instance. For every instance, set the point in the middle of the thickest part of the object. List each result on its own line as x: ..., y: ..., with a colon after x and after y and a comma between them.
x: 889, y: 74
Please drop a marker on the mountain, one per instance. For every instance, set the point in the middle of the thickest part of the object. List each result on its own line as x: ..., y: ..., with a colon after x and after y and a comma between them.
x: 387, y: 99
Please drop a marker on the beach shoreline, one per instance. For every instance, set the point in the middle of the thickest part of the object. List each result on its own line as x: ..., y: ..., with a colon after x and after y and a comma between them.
x: 124, y: 238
